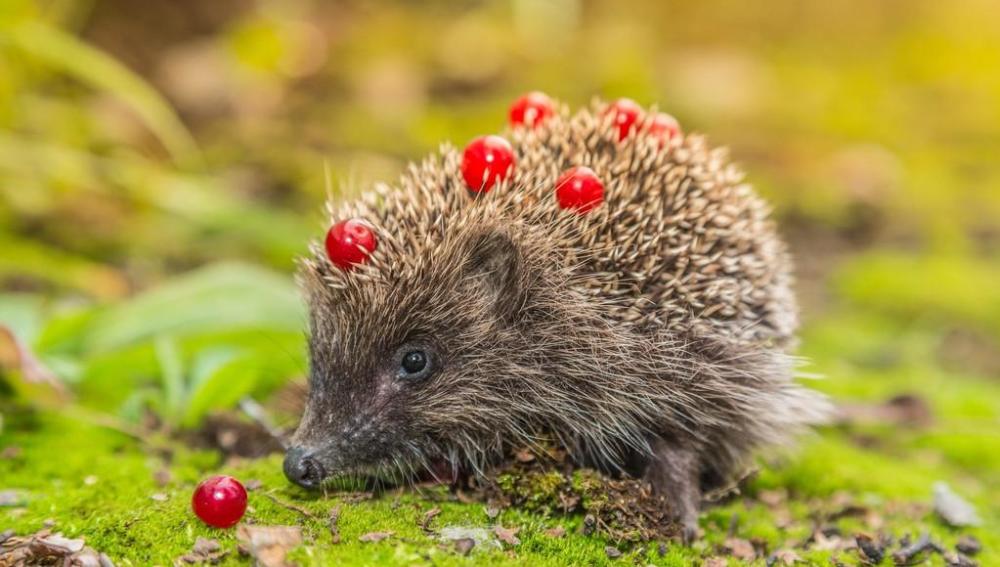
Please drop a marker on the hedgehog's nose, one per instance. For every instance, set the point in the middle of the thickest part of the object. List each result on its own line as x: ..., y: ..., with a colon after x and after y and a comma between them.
x: 302, y: 469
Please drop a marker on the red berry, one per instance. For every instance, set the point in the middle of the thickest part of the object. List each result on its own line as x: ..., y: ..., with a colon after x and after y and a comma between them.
x: 580, y: 189
x: 220, y: 501
x: 531, y: 109
x: 664, y: 127
x: 350, y: 242
x: 486, y: 160
x: 626, y: 113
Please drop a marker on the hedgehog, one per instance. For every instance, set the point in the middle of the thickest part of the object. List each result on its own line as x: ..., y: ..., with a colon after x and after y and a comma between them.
x: 647, y: 331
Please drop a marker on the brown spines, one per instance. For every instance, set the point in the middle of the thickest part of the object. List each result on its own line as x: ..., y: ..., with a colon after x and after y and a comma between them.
x: 680, y: 241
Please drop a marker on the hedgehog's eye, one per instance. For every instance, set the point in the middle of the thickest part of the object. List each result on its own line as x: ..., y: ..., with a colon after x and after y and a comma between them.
x: 414, y: 364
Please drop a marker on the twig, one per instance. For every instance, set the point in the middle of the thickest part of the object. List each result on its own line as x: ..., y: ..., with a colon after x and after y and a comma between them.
x: 334, y: 528
x: 290, y: 506
x: 908, y: 554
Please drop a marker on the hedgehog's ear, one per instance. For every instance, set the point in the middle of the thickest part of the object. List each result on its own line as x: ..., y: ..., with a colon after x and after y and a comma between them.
x: 494, y: 266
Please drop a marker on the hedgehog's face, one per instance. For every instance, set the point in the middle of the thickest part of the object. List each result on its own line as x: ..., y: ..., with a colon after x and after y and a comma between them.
x: 400, y: 373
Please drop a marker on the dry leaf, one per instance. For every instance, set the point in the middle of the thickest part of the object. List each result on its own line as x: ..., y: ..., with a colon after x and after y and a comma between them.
x: 555, y: 532
x: 375, y: 536
x: 204, y: 551
x: 507, y: 535
x: 740, y: 548
x: 524, y: 456
x: 715, y: 562
x: 268, y: 544
x: 425, y: 522
x: 464, y: 546
x: 333, y: 524
x: 784, y: 557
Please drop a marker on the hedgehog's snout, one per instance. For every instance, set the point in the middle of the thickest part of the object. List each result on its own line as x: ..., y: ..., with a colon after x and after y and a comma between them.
x: 302, y: 468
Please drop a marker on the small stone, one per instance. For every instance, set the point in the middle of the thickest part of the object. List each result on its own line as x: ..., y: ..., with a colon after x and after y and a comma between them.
x: 612, y: 552
x: 12, y: 498
x: 968, y: 545
x: 952, y: 508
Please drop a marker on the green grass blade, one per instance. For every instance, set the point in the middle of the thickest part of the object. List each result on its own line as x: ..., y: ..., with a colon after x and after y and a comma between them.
x: 62, y: 51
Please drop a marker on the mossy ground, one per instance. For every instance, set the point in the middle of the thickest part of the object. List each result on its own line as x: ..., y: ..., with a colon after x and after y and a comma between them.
x: 98, y: 484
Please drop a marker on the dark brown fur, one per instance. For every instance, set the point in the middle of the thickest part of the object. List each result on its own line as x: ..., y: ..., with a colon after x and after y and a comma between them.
x: 655, y: 326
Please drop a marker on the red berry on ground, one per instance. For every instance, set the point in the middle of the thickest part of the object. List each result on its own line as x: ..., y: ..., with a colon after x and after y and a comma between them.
x: 350, y: 242
x: 531, y: 109
x: 626, y: 114
x: 220, y: 501
x: 664, y: 127
x: 580, y: 189
x: 486, y: 160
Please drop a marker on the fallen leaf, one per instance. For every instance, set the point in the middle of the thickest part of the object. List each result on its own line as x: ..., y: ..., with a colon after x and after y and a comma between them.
x: 425, y: 522
x: 162, y: 477
x: 11, y: 452
x: 205, y: 546
x: 268, y: 544
x: 375, y: 536
x: 952, y: 508
x: 333, y: 524
x: 783, y: 557
x: 772, y: 498
x: 908, y: 410
x: 555, y: 532
x: 507, y: 535
x: 714, y: 562
x: 204, y: 551
x: 464, y: 546
x: 740, y: 548
x: 524, y: 456
x: 870, y: 550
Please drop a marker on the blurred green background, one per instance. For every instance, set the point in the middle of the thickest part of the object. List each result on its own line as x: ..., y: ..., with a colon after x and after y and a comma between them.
x: 162, y: 164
